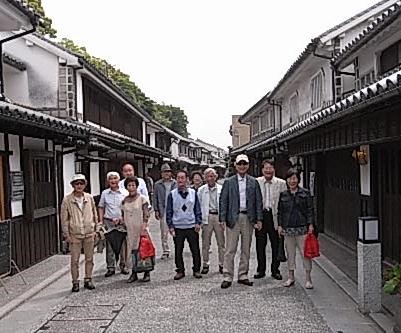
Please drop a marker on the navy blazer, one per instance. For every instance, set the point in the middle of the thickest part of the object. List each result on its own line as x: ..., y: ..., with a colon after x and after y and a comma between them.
x: 229, y: 201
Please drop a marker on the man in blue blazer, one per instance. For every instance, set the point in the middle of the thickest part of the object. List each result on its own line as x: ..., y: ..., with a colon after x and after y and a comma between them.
x: 241, y: 210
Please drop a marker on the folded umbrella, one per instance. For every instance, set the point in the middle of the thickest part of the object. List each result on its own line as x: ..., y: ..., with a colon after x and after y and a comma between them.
x: 116, y: 239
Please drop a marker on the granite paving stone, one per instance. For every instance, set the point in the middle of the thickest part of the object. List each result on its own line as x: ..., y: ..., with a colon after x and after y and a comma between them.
x: 191, y: 305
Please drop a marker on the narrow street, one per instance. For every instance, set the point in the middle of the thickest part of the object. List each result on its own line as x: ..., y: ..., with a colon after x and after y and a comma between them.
x: 189, y: 305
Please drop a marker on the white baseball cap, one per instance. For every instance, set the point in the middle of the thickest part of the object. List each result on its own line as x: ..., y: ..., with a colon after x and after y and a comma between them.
x: 76, y: 177
x: 243, y: 158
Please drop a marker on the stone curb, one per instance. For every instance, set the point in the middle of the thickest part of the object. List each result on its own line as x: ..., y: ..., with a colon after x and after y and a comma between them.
x: 351, y: 289
x: 15, y: 303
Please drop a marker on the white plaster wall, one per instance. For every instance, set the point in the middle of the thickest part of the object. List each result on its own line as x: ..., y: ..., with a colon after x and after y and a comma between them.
x: 16, y: 85
x: 80, y: 97
x: 301, y: 84
x: 68, y: 171
x: 144, y: 132
x: 153, y: 139
x: 174, y: 149
x: 2, y: 147
x: 94, y: 178
x: 15, y: 165
x: 42, y: 72
x: 34, y: 143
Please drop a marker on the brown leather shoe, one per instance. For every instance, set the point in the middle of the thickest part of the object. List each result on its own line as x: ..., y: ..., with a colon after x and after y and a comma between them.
x: 179, y: 276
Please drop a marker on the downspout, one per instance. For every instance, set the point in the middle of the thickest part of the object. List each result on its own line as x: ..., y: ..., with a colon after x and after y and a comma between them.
x: 5, y: 40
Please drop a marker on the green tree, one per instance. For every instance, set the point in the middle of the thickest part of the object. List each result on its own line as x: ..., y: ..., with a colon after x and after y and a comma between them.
x: 45, y: 27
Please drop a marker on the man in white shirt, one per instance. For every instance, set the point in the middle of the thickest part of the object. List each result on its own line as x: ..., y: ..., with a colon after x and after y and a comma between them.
x: 209, y: 196
x: 110, y: 215
x: 128, y: 170
x: 271, y: 187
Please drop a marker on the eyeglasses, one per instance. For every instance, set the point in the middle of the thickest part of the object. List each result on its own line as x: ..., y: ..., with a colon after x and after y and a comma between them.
x: 79, y: 183
x: 242, y: 163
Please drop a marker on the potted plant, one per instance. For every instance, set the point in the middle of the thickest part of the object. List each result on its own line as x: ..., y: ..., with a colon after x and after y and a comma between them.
x: 392, y: 286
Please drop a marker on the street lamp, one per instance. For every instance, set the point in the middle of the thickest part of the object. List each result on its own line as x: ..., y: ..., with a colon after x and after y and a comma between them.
x: 368, y: 230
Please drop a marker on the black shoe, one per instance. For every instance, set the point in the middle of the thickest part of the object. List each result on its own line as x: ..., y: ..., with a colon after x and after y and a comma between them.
x: 220, y: 269
x: 89, y: 285
x: 146, y: 277
x: 179, y: 276
x: 197, y: 275
x: 124, y: 271
x: 109, y: 273
x: 226, y: 284
x: 205, y: 270
x: 75, y: 287
x: 259, y: 275
x: 132, y: 278
x: 246, y: 282
x: 277, y: 276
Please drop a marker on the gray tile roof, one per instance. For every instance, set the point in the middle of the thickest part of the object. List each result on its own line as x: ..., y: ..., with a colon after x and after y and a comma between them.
x: 34, y: 118
x: 378, y: 25
x: 310, y: 48
x: 28, y: 11
x: 391, y: 83
x: 353, y: 18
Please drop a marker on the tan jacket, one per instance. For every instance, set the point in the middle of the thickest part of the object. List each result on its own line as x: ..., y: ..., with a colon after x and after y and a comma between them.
x: 278, y: 185
x: 76, y: 222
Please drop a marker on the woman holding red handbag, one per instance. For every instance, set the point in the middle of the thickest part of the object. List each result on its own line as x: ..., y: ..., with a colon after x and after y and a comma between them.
x: 295, y: 222
x: 135, y: 217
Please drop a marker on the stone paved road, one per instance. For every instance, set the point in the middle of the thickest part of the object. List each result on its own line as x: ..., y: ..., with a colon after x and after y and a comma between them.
x: 189, y: 305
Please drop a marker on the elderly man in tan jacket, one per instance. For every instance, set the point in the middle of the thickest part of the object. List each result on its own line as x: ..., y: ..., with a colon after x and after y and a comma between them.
x: 79, y: 223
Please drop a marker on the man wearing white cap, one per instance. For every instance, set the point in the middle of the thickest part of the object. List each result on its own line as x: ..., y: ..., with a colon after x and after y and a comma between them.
x: 241, y: 210
x: 110, y: 215
x: 79, y: 222
x: 162, y: 189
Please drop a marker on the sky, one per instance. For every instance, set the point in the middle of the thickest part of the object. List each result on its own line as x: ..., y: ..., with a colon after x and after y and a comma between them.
x: 212, y: 58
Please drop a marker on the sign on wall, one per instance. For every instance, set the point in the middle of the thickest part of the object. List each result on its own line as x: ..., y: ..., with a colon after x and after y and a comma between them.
x: 17, y: 185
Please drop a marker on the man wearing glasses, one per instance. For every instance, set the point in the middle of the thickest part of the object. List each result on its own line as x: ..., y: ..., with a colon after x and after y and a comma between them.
x: 241, y: 210
x: 79, y: 223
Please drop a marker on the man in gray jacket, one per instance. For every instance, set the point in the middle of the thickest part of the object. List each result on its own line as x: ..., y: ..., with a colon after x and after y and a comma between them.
x: 241, y: 210
x: 161, y: 191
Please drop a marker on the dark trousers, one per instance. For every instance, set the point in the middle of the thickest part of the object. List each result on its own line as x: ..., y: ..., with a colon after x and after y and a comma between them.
x: 192, y: 238
x: 261, y: 242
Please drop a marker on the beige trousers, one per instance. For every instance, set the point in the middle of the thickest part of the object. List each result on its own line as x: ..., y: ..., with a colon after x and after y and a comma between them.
x: 244, y: 229
x: 164, y: 234
x: 291, y: 245
x: 207, y: 232
x: 76, y: 245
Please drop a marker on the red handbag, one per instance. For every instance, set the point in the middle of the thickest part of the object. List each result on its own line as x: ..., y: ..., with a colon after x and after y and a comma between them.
x: 146, y: 247
x: 311, y: 248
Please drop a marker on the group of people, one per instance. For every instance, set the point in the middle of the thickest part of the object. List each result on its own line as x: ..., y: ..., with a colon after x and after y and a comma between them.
x: 277, y: 209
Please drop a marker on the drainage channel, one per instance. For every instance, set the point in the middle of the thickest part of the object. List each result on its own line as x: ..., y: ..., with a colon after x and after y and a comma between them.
x: 85, y: 318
